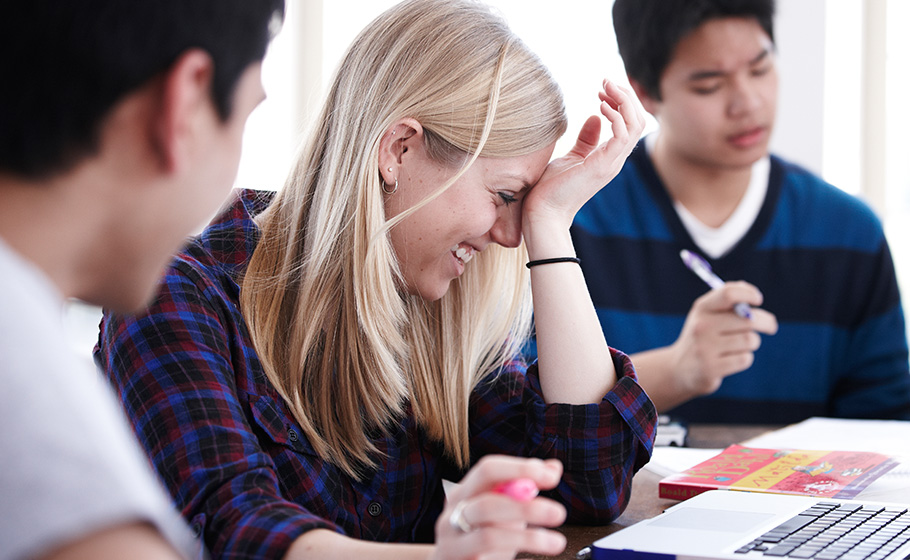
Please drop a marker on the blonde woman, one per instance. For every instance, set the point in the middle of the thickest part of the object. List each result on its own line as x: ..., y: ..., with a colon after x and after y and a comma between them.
x: 318, y: 362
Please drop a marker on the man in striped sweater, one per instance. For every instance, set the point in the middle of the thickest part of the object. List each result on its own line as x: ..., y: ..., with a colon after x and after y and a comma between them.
x: 811, y: 260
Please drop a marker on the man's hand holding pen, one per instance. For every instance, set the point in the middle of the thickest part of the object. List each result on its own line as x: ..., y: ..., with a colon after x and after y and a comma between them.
x: 716, y: 341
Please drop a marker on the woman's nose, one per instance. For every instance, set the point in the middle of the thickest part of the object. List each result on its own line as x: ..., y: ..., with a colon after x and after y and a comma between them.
x: 506, y: 230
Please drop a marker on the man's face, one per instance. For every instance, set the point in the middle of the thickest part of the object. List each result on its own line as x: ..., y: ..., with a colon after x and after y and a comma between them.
x: 217, y: 158
x: 181, y: 205
x: 719, y: 95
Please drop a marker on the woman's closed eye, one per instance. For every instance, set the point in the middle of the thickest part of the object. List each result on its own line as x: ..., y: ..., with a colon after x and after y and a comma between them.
x: 507, y: 197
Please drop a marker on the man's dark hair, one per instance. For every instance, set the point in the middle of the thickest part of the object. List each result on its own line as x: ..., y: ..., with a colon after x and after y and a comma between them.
x: 64, y: 64
x: 648, y: 31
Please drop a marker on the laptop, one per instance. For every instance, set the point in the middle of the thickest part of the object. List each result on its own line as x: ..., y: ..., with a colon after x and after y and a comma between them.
x: 734, y: 525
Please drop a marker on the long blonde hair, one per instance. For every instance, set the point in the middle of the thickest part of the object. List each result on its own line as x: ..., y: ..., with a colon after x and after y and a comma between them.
x: 336, y: 334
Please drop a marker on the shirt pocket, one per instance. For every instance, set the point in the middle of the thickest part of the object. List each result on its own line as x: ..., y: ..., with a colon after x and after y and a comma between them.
x: 299, y: 469
x: 278, y: 427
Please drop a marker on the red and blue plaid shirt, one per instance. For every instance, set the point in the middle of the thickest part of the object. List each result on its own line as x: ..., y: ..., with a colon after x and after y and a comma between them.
x: 245, y: 477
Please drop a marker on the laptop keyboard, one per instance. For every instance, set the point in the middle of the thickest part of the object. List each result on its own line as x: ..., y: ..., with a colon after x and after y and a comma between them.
x: 832, y: 531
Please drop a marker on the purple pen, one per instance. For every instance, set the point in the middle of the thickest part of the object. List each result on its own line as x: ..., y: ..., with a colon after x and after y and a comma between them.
x: 701, y: 267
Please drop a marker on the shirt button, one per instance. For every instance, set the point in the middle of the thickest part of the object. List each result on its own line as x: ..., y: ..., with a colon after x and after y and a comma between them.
x: 375, y: 509
x: 292, y: 434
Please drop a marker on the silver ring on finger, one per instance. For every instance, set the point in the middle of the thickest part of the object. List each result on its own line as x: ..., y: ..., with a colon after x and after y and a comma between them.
x: 457, y: 520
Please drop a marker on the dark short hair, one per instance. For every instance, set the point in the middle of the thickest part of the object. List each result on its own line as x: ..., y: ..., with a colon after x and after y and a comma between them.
x: 64, y: 64
x: 648, y: 31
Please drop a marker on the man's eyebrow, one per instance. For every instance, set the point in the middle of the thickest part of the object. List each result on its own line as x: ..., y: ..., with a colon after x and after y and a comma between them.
x: 708, y: 74
x: 765, y: 53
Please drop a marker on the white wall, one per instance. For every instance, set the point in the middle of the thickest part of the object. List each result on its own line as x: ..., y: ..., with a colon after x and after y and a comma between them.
x: 800, y: 40
x: 576, y: 41
x: 821, y: 111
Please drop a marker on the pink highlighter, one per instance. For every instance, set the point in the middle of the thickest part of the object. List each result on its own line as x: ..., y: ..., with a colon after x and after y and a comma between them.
x: 521, y: 489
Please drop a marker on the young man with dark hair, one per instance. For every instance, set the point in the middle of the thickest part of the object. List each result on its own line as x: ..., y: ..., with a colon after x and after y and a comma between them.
x: 811, y: 260
x: 120, y: 131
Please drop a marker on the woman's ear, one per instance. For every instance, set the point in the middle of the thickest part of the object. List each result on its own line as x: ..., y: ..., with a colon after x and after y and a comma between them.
x: 403, y: 135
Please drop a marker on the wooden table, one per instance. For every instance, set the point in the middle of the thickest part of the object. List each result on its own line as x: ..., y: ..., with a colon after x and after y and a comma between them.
x: 644, y: 502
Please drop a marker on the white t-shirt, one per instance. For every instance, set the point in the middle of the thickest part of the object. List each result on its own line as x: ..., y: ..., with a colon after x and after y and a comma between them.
x: 717, y: 241
x: 69, y: 463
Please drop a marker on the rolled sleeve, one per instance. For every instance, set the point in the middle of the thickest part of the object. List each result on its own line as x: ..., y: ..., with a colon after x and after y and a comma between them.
x: 600, y: 445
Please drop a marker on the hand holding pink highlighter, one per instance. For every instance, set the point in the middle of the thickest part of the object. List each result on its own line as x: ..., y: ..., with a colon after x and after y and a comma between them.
x: 521, y: 489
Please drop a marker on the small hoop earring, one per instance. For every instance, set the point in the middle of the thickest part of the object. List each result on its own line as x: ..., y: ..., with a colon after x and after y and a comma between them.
x: 393, y: 189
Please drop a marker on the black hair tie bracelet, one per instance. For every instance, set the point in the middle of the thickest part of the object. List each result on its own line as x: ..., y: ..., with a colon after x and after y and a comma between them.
x: 575, y: 260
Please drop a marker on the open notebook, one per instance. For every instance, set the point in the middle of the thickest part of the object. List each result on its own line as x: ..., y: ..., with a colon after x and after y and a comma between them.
x: 747, y: 525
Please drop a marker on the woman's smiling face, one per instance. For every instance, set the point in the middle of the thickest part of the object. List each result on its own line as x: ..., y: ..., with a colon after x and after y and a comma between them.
x: 437, y: 242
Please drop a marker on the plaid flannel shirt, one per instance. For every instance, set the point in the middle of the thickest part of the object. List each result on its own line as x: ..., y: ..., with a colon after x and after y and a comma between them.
x: 245, y: 477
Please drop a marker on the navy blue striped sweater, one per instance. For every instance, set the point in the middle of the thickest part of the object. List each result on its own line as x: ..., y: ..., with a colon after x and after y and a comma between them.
x: 821, y: 260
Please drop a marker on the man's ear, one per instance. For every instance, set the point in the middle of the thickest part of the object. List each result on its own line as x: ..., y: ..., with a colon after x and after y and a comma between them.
x: 649, y: 103
x: 404, y: 134
x: 185, y: 103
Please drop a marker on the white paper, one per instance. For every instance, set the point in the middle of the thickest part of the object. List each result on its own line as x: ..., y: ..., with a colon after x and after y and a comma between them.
x: 671, y: 460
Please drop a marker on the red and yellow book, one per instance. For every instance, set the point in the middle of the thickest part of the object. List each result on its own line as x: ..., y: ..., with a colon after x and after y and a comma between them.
x: 826, y: 474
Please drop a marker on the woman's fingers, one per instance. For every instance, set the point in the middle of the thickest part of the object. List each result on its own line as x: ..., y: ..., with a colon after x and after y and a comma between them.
x: 573, y: 179
x: 481, y: 521
x: 588, y: 137
x: 493, y: 470
x: 622, y: 100
x: 631, y: 111
x: 490, y: 541
x: 626, y: 123
x: 626, y: 119
x: 491, y: 509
